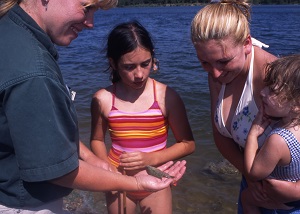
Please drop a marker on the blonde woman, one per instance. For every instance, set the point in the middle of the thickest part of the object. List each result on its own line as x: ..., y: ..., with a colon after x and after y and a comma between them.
x: 235, y: 63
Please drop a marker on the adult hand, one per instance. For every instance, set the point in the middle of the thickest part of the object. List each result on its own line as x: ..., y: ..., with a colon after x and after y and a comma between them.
x: 256, y: 189
x: 262, y: 199
x: 135, y: 160
x: 284, y: 191
x: 150, y: 183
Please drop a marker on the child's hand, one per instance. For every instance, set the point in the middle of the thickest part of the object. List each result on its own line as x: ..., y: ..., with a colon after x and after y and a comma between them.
x: 135, y: 160
x: 260, y: 123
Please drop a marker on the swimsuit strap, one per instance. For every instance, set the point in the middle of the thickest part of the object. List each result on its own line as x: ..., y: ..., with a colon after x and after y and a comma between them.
x: 113, y: 95
x: 250, y: 75
x: 154, y: 90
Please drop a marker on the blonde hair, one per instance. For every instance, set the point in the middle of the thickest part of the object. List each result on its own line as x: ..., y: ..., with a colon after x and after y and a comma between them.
x: 6, y: 5
x: 105, y: 4
x: 222, y: 19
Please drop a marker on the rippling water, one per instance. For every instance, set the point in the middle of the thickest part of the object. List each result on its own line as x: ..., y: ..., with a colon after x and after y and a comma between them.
x: 209, y: 185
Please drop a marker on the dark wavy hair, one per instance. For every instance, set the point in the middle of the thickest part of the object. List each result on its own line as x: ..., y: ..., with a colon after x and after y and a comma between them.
x: 124, y: 38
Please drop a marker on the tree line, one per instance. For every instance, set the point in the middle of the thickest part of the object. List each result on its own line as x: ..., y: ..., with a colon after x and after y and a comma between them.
x: 125, y: 3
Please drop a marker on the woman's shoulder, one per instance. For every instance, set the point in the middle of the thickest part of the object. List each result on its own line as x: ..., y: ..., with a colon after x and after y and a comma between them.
x: 262, y: 57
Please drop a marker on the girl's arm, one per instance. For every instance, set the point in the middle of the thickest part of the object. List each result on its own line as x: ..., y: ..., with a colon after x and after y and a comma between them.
x: 274, y: 152
x: 98, y: 126
x: 259, y: 163
x: 88, y: 156
x: 251, y: 147
x: 181, y: 129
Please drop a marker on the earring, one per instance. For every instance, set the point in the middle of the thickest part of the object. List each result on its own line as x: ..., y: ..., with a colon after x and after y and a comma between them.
x: 155, y: 65
x: 46, y: 5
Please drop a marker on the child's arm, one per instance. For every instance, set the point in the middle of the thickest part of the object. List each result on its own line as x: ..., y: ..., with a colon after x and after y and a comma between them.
x: 274, y: 152
x: 98, y: 126
x: 253, y: 169
x: 88, y: 156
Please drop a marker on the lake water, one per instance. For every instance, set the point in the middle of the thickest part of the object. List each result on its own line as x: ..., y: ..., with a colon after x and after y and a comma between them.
x: 209, y: 185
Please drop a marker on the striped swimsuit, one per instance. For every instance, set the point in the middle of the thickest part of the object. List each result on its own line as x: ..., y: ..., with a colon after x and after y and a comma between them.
x: 145, y: 131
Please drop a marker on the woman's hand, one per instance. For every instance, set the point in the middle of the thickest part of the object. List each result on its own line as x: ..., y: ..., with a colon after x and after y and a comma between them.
x: 262, y: 199
x: 284, y: 191
x: 150, y: 183
x: 135, y: 160
x: 256, y: 189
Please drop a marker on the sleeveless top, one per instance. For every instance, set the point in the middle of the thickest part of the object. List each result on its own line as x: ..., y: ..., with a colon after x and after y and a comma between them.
x: 244, y: 114
x: 290, y: 172
x: 145, y: 131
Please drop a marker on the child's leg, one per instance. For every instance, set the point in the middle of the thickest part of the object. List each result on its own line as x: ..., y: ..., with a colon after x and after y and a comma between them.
x: 248, y: 203
x: 158, y: 202
x: 115, y: 204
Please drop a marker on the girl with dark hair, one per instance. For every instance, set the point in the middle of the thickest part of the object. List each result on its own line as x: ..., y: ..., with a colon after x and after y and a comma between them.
x: 137, y: 111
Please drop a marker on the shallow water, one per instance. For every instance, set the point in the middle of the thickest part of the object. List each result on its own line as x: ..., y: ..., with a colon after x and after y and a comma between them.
x: 210, y: 185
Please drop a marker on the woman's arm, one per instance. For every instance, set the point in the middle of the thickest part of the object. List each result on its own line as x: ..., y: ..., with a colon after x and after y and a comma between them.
x: 283, y: 191
x: 91, y: 178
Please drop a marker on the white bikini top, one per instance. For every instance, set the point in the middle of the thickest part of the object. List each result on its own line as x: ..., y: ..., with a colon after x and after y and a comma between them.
x: 244, y: 114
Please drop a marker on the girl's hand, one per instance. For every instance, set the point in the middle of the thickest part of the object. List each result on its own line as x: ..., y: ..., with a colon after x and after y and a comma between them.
x: 135, y: 160
x: 260, y: 123
x: 151, y: 183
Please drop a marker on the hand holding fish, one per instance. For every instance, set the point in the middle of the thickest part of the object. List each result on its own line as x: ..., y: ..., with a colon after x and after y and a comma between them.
x: 157, y: 172
x: 151, y: 183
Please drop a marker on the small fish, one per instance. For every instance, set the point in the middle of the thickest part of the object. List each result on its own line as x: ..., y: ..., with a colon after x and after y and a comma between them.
x: 157, y: 173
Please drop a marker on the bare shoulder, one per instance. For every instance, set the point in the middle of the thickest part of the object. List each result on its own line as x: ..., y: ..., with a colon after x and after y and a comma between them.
x: 274, y: 144
x: 262, y: 58
x: 277, y: 146
x: 103, y: 93
x: 275, y: 140
x: 166, y: 92
x: 102, y: 99
x: 167, y: 98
